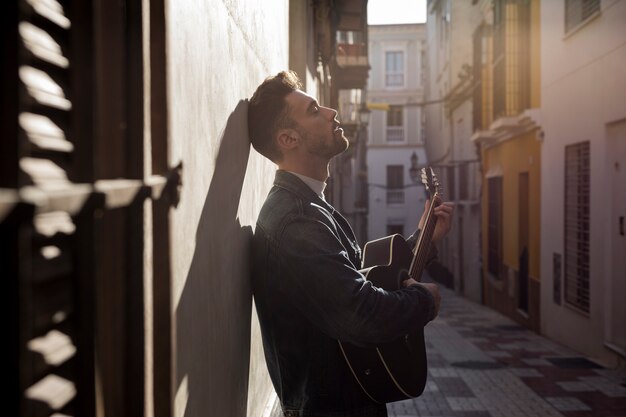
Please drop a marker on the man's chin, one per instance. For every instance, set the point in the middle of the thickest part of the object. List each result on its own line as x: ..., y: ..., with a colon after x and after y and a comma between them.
x: 342, y: 146
x: 346, y: 144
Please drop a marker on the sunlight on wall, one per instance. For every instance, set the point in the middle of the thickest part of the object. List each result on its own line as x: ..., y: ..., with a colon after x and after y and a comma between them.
x: 181, y: 398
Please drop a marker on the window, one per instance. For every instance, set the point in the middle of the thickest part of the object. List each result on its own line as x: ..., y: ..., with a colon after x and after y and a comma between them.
x: 394, y: 69
x: 393, y: 229
x: 576, y: 263
x: 494, y: 225
x: 578, y: 11
x: 395, y: 124
x: 351, y: 48
x: 511, y: 62
x: 395, y: 184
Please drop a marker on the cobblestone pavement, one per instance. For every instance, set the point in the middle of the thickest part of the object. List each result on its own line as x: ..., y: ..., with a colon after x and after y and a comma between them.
x: 483, y: 364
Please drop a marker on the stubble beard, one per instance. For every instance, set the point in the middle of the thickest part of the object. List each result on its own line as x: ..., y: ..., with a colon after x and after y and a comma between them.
x: 319, y: 145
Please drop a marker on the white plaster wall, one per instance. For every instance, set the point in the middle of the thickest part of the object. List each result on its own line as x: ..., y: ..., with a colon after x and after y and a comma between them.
x: 583, y: 89
x: 218, y: 52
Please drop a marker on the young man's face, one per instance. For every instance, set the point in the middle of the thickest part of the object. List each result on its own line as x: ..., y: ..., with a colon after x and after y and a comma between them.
x: 317, y: 125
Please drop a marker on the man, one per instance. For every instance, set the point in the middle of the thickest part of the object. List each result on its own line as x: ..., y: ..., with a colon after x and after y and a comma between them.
x: 307, y: 287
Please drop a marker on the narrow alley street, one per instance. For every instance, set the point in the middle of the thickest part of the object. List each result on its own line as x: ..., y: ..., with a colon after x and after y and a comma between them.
x: 483, y: 364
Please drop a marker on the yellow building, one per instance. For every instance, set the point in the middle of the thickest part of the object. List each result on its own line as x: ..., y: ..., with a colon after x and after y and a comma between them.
x: 507, y: 130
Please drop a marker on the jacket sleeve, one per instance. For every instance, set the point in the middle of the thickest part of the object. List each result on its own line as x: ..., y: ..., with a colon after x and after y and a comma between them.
x: 318, y: 278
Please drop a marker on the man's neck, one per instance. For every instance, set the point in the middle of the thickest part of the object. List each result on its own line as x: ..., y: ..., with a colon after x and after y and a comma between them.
x: 318, y: 172
x: 315, y: 185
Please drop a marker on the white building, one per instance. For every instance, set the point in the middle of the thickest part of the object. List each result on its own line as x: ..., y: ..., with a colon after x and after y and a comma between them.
x: 449, y: 89
x: 583, y: 176
x: 395, y: 201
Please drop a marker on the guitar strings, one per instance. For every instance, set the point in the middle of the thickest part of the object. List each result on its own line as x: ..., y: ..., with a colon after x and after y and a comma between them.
x: 420, y: 257
x: 423, y: 254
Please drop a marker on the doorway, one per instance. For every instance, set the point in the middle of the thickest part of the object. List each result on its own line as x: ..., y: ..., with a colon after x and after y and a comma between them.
x: 522, y: 281
x: 616, y: 285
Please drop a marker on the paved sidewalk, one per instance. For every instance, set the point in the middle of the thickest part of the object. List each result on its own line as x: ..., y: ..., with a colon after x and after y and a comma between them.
x: 483, y: 364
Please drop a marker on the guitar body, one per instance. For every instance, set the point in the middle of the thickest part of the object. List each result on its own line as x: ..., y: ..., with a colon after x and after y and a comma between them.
x: 397, y: 370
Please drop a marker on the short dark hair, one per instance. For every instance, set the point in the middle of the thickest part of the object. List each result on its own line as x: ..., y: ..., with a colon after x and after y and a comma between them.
x: 268, y: 112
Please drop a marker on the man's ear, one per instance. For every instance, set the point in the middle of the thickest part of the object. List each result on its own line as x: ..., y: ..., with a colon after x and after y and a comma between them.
x: 288, y: 139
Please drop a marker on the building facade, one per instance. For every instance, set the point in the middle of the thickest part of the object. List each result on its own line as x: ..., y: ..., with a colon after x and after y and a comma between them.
x: 449, y: 89
x: 507, y: 127
x: 548, y: 100
x: 583, y: 166
x: 396, y: 134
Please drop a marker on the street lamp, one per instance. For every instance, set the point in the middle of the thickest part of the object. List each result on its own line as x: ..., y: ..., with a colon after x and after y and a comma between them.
x: 414, y: 171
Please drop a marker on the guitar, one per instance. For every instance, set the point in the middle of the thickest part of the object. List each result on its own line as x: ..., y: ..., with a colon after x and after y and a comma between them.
x: 397, y: 370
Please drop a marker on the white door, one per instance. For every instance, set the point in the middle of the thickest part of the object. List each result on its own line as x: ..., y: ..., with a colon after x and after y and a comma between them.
x: 616, y: 155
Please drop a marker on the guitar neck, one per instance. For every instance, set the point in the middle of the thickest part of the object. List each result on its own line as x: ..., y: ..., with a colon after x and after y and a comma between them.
x: 422, y: 248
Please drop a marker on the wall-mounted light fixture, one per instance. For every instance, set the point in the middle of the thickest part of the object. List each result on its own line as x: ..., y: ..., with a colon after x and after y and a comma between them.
x: 540, y: 135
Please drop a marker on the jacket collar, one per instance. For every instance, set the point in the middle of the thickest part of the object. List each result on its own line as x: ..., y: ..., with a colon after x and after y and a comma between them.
x: 295, y: 185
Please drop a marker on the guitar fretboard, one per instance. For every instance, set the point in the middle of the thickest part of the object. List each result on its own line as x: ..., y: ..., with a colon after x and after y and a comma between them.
x: 422, y: 248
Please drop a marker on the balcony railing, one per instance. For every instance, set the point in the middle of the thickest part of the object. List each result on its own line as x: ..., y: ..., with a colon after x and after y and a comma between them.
x: 395, y: 196
x: 395, y: 134
x: 351, y: 54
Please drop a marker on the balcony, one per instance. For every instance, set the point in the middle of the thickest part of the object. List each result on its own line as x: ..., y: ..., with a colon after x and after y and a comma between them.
x: 395, y: 134
x: 351, y: 54
x: 351, y: 65
x: 395, y: 196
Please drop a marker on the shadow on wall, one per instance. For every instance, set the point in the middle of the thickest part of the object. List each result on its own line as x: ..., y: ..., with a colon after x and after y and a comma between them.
x: 213, y: 316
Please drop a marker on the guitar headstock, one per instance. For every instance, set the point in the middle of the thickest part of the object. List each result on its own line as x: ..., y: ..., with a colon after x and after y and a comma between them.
x: 431, y: 183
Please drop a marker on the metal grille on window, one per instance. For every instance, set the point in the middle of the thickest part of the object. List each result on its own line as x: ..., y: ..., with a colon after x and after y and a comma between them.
x: 577, y: 11
x: 576, y: 262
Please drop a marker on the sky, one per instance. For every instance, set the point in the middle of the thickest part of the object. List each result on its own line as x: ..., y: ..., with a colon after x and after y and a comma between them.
x: 383, y: 12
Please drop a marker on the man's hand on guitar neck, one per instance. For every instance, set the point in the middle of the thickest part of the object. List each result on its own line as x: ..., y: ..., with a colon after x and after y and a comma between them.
x: 443, y: 212
x: 432, y: 288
